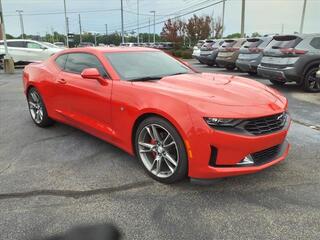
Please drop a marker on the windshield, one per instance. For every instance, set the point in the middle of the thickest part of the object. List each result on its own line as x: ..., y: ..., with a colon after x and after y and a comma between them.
x: 143, y: 65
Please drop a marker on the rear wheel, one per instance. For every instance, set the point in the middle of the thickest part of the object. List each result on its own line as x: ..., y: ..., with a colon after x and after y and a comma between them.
x: 37, y: 109
x: 161, y: 150
x: 277, y: 83
x: 252, y: 73
x: 230, y: 67
x: 311, y: 83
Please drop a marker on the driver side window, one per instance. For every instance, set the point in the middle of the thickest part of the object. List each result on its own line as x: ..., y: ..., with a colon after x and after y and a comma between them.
x: 77, y: 62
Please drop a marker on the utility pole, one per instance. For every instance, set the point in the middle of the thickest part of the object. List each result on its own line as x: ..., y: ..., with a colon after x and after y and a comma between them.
x: 66, y: 22
x: 80, y: 29
x: 223, y: 11
x: 303, y: 14
x: 21, y: 22
x: 154, y: 26
x: 149, y: 32
x: 282, y: 28
x: 122, y: 28
x: 8, y: 64
x: 106, y: 25
x: 138, y: 32
x: 243, y: 17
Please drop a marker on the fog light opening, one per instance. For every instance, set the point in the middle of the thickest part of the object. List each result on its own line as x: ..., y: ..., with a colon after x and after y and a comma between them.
x: 247, y: 161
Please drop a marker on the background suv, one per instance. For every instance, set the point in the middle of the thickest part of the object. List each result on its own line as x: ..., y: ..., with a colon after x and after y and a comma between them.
x: 251, y: 54
x: 26, y: 51
x: 229, y: 52
x: 209, y: 51
x: 292, y: 58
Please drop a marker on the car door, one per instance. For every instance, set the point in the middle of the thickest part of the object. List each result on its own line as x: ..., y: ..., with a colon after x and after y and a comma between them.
x: 35, y: 52
x: 16, y: 49
x: 87, y: 100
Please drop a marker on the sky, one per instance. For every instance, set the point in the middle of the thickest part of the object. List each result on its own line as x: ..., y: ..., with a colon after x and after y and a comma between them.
x: 263, y: 16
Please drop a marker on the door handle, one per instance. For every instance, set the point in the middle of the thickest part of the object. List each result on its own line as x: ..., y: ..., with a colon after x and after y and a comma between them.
x: 62, y: 81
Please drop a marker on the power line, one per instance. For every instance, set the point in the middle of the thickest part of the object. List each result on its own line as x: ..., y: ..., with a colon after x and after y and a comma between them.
x: 178, y: 16
x: 197, y: 4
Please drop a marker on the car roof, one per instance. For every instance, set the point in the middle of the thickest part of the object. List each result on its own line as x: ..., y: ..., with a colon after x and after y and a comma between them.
x: 109, y: 49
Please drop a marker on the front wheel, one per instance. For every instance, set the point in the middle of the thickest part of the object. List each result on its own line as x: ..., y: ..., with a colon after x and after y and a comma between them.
x: 311, y: 83
x: 37, y: 109
x: 161, y: 150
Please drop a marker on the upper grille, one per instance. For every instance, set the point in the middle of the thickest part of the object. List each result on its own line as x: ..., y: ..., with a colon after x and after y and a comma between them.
x: 266, y: 155
x: 266, y: 125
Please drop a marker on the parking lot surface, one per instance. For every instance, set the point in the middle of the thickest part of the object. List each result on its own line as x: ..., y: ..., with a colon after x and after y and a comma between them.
x: 55, y: 178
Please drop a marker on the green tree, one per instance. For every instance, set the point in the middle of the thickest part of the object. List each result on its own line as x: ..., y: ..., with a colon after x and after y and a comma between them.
x: 255, y: 34
x: 234, y: 35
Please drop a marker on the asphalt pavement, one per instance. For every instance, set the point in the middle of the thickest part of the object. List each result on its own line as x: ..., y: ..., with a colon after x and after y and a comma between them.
x: 55, y: 178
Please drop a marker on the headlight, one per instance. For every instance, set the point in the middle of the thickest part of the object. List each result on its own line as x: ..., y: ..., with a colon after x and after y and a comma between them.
x: 222, y: 122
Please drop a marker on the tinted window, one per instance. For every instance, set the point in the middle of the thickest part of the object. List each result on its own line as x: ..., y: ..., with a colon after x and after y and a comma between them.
x: 252, y: 43
x: 228, y: 43
x: 315, y: 43
x: 61, y: 61
x: 77, y: 62
x: 20, y: 44
x: 134, y: 65
x: 284, y: 42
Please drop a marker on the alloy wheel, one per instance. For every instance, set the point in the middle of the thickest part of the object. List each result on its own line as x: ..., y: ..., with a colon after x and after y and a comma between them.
x: 158, y: 150
x: 314, y: 82
x: 36, y: 107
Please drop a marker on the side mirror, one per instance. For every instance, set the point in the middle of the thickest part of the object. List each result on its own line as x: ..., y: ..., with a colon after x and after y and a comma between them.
x: 93, y: 73
x: 43, y: 48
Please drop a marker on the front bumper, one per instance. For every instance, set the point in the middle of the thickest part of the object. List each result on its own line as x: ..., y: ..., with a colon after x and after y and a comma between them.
x: 231, y: 149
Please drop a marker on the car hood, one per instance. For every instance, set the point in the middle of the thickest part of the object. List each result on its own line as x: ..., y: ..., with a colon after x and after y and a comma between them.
x: 214, y: 88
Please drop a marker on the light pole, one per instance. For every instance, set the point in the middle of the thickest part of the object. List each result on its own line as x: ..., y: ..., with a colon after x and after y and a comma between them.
x: 8, y: 64
x: 138, y: 40
x: 243, y: 17
x: 223, y: 11
x: 303, y: 14
x: 154, y: 26
x: 66, y: 22
x: 149, y: 32
x: 80, y: 29
x: 122, y: 28
x: 106, y: 33
x: 21, y: 22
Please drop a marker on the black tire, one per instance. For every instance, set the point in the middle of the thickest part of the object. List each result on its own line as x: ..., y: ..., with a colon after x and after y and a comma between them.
x: 310, y: 82
x: 277, y: 83
x: 181, y: 168
x: 230, y: 67
x: 45, y: 120
x: 252, y: 73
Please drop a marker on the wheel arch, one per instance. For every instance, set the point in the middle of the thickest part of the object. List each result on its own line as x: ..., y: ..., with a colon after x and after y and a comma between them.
x: 147, y: 114
x: 312, y: 64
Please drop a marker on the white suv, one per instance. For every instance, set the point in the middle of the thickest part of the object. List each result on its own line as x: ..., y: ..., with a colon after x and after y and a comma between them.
x: 26, y: 51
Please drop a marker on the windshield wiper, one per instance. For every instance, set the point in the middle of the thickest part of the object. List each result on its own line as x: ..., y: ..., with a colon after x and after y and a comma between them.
x: 148, y: 78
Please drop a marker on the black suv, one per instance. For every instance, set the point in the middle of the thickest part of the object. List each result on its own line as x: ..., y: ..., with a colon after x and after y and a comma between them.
x: 251, y: 54
x: 292, y: 58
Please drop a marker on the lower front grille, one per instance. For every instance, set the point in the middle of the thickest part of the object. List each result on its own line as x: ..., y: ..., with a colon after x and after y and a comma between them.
x: 266, y: 155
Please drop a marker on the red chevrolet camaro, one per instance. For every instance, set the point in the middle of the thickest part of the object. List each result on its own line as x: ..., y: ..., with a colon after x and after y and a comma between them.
x: 177, y: 121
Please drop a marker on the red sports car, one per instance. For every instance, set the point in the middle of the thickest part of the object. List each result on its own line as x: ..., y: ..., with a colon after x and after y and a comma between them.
x: 177, y: 121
